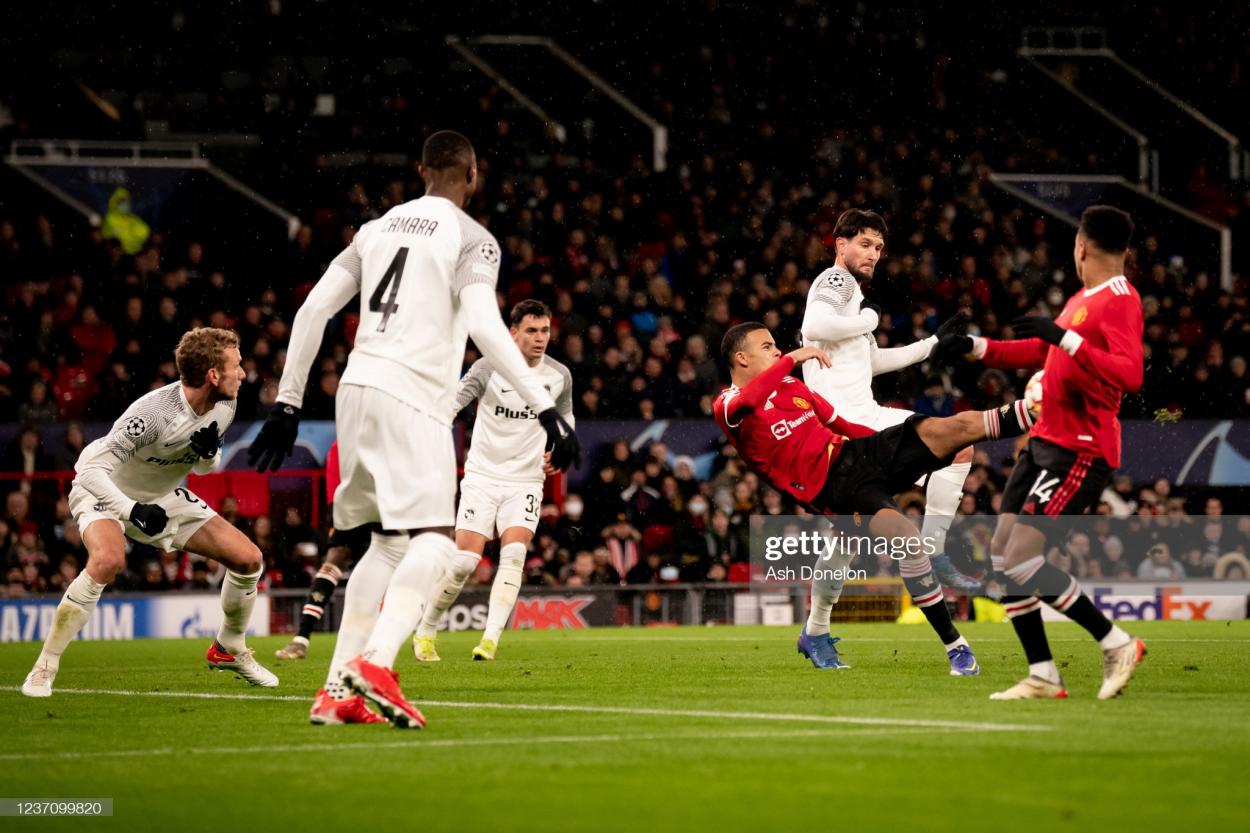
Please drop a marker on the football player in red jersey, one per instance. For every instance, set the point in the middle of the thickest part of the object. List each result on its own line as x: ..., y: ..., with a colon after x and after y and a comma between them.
x: 1092, y: 355
x: 795, y: 440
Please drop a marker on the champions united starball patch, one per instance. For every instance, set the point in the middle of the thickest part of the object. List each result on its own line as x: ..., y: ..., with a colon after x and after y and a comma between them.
x: 490, y: 252
x: 135, y: 427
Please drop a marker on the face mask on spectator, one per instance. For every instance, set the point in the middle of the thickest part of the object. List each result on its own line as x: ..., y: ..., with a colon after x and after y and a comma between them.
x: 573, y: 508
x: 698, y: 507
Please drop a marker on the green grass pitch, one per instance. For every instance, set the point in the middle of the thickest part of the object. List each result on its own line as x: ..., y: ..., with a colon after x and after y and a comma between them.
x: 697, y: 729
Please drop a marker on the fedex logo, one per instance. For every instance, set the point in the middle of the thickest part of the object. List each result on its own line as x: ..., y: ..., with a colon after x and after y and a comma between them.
x: 1167, y: 603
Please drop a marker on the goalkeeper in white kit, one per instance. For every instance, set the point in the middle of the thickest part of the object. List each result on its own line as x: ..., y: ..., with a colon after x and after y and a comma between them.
x: 502, y: 489
x: 837, y: 321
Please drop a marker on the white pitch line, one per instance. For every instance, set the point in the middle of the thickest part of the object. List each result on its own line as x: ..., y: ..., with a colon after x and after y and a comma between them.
x: 423, y: 742
x: 850, y: 720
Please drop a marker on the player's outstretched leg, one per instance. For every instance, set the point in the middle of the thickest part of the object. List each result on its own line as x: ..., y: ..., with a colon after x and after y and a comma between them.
x: 926, y: 591
x: 319, y: 595
x: 462, y: 566
x: 106, y: 557
x: 372, y: 673
x: 335, y: 703
x: 220, y: 541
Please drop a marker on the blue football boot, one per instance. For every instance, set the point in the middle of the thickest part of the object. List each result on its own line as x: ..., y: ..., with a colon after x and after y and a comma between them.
x: 963, y: 663
x: 820, y: 650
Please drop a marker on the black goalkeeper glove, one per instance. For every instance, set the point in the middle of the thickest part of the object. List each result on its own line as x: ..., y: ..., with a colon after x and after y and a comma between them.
x: 206, y: 441
x: 951, y: 348
x: 953, y: 326
x: 561, y: 441
x: 149, y: 518
x: 1035, y: 326
x: 276, y: 439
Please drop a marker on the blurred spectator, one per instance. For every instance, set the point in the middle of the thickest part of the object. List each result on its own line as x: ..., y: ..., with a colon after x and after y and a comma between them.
x: 1159, y: 565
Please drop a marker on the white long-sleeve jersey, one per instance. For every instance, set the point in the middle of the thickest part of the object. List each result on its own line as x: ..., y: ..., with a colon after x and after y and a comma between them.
x: 147, y: 452
x: 508, y: 441
x: 426, y: 274
x: 834, y: 322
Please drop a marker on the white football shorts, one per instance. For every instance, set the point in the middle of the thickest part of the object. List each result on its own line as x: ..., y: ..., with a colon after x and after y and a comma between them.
x: 489, y: 508
x: 186, y: 511
x: 397, y: 465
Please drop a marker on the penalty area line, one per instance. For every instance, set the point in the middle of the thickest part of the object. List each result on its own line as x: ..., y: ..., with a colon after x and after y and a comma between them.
x: 707, y: 714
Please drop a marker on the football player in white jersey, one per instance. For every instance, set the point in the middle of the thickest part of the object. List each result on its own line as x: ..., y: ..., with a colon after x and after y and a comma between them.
x: 128, y: 484
x: 425, y: 273
x: 502, y: 489
x: 838, y: 321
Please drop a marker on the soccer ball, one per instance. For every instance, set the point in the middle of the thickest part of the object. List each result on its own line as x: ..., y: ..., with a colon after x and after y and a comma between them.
x: 1033, y: 394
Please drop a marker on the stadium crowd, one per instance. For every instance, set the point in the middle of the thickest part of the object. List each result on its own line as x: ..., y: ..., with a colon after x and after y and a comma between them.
x: 645, y: 271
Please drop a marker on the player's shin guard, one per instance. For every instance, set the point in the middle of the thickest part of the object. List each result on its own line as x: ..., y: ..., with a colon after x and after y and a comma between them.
x: 71, y: 614
x: 319, y: 595
x: 1011, y: 420
x: 462, y: 566
x: 411, y: 588
x: 365, y: 588
x: 504, y: 590
x: 238, y: 597
x: 926, y: 594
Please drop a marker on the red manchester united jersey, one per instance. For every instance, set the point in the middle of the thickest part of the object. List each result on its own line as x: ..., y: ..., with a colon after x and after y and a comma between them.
x: 1098, y: 362
x: 784, y: 430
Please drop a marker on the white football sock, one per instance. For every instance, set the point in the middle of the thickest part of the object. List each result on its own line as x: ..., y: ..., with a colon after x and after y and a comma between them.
x: 942, y: 496
x: 1046, y: 670
x: 505, y: 588
x: 826, y: 590
x: 71, y: 614
x: 362, y: 601
x: 960, y: 641
x: 413, y: 585
x: 238, y: 597
x: 462, y: 566
x: 1117, y: 637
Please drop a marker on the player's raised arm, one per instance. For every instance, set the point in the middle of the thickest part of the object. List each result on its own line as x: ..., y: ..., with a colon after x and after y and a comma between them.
x: 339, y: 284
x: 1027, y: 353
x: 1121, y: 364
x: 889, y: 359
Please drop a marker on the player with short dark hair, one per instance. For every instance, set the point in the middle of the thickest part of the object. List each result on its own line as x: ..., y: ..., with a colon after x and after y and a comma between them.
x: 1091, y: 355
x: 799, y: 443
x: 502, y: 489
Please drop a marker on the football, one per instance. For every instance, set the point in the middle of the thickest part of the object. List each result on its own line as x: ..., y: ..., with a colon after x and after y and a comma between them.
x: 1033, y: 393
